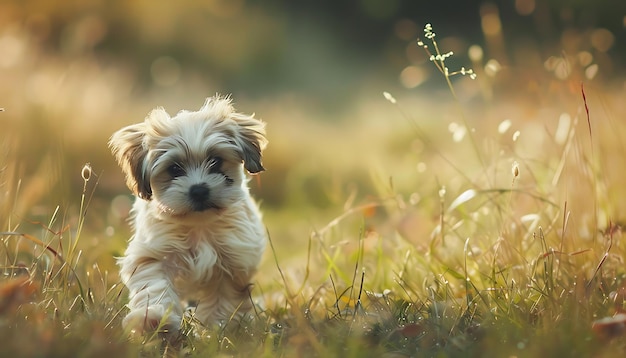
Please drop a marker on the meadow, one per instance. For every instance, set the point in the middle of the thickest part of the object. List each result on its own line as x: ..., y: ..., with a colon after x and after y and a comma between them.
x: 480, y: 216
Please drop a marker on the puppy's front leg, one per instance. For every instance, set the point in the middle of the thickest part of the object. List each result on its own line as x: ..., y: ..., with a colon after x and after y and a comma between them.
x: 152, y: 296
x: 229, y: 299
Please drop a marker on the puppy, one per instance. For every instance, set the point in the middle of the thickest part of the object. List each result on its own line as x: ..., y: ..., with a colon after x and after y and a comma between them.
x: 198, y: 233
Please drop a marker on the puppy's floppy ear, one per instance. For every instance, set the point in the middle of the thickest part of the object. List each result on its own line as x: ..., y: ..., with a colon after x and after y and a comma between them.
x: 129, y: 150
x: 250, y: 138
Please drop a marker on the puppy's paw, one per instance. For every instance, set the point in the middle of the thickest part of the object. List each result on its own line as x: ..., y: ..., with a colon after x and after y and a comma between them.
x: 154, y: 319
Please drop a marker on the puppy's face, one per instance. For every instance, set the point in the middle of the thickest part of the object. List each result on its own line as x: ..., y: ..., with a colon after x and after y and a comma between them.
x: 193, y: 162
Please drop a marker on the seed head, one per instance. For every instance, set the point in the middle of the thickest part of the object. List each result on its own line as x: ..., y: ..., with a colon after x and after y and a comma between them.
x: 86, y: 172
x: 515, y: 169
x: 389, y: 97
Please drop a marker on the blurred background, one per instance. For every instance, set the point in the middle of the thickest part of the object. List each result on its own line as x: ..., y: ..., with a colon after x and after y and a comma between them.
x: 73, y: 72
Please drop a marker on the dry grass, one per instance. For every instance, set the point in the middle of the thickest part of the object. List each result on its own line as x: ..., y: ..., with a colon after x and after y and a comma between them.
x: 489, y: 237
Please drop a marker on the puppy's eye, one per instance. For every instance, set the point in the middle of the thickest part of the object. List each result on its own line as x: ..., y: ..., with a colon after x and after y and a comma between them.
x: 215, y: 164
x: 175, y: 170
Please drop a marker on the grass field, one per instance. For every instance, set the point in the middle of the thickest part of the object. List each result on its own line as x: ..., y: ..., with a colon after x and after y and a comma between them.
x: 481, y: 219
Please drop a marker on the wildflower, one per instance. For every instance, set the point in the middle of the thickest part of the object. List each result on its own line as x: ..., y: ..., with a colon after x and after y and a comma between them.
x: 428, y: 32
x: 439, y: 58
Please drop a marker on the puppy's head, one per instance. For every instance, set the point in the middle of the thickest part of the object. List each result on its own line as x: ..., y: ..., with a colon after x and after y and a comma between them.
x: 192, y: 162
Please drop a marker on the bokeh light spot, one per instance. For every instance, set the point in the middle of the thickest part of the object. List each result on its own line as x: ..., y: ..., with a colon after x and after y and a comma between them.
x: 406, y: 29
x: 591, y: 71
x: 492, y: 68
x: 562, y: 69
x: 412, y: 76
x: 490, y: 19
x: 584, y: 58
x: 525, y: 7
x: 458, y: 131
x: 504, y: 126
x: 475, y: 53
x: 602, y: 39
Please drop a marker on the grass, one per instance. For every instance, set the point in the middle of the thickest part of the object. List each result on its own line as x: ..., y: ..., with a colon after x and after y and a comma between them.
x: 501, y: 248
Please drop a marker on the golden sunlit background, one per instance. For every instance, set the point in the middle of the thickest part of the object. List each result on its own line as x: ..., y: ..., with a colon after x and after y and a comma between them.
x: 73, y: 72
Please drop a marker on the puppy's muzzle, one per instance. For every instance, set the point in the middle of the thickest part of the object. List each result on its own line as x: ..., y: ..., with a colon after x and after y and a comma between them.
x: 199, y: 194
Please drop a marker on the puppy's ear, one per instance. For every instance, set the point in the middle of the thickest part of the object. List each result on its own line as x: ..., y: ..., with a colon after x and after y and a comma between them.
x: 129, y: 150
x: 250, y: 137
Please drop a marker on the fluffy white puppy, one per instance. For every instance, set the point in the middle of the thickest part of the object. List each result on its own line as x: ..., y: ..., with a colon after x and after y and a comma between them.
x: 198, y: 233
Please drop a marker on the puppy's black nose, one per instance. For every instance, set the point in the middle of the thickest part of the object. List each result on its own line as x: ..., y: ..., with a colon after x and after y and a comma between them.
x: 199, y: 195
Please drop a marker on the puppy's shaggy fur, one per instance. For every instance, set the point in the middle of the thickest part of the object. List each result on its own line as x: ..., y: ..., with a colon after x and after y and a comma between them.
x: 198, y: 233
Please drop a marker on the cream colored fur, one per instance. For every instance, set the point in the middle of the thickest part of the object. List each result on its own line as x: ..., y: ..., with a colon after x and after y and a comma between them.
x: 198, y: 234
